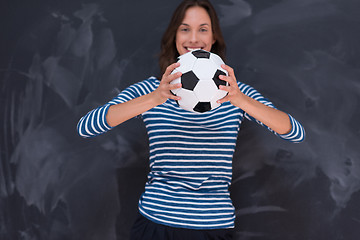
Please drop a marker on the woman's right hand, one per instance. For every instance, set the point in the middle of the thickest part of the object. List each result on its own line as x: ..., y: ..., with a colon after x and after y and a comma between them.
x: 163, y: 93
x: 121, y: 112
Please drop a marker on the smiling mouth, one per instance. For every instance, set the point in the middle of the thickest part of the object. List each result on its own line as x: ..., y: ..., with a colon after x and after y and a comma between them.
x: 193, y: 49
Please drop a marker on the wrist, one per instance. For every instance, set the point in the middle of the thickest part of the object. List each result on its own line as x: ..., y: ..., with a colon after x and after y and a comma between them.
x: 155, y: 99
x: 241, y: 100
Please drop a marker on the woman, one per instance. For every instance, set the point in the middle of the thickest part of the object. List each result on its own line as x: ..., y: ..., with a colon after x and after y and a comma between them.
x: 186, y: 196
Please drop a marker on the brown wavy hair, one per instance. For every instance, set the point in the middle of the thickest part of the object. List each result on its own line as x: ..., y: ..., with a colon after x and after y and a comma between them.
x: 169, y: 53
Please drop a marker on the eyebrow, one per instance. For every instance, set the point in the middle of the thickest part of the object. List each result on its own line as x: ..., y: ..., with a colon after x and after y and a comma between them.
x: 204, y: 24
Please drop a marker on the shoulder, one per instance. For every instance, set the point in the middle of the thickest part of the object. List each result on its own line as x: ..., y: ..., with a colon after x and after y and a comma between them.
x: 147, y: 85
x: 245, y: 87
x: 255, y: 94
x: 249, y: 91
x: 152, y: 80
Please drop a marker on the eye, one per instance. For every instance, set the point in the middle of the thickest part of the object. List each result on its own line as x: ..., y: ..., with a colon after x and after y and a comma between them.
x: 203, y: 30
x: 184, y: 29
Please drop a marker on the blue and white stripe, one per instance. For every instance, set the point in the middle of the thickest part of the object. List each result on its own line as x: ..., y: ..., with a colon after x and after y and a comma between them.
x: 190, y: 157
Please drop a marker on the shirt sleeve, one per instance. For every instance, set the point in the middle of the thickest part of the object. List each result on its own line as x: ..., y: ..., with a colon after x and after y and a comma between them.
x: 297, y: 133
x: 94, y: 122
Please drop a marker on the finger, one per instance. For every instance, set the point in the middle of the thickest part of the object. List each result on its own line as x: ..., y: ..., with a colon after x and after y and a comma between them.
x: 171, y: 68
x: 174, y: 97
x: 225, y: 88
x: 228, y: 79
x: 174, y: 86
x: 173, y: 76
x: 222, y: 100
x: 229, y: 69
x: 168, y: 80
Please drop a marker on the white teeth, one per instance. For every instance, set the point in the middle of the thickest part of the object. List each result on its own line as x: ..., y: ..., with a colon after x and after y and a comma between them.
x: 193, y: 49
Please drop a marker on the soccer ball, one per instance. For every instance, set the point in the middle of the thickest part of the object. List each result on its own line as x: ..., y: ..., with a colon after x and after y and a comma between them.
x: 200, y: 81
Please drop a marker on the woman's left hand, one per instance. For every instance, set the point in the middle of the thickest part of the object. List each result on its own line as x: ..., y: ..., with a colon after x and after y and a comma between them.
x: 234, y: 95
x: 271, y: 117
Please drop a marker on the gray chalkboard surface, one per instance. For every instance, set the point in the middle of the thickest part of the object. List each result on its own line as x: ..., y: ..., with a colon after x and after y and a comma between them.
x: 59, y: 59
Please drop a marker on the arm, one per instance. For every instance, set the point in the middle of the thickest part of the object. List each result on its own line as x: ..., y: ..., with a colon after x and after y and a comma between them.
x: 120, y: 113
x: 131, y: 102
x: 261, y: 110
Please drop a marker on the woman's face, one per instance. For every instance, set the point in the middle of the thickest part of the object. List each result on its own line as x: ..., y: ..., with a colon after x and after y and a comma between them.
x: 195, y: 31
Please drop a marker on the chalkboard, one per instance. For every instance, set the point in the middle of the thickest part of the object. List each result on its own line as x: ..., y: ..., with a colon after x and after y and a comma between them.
x: 60, y: 59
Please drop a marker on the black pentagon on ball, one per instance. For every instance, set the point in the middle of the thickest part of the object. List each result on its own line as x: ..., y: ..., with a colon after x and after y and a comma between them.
x: 202, y: 107
x: 201, y: 54
x: 217, y: 80
x: 189, y: 80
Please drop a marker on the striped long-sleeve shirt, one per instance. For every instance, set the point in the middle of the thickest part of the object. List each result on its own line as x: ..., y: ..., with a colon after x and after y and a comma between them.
x: 190, y: 157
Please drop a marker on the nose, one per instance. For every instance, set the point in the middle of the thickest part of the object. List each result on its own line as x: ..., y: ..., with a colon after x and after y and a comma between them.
x: 194, y: 37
